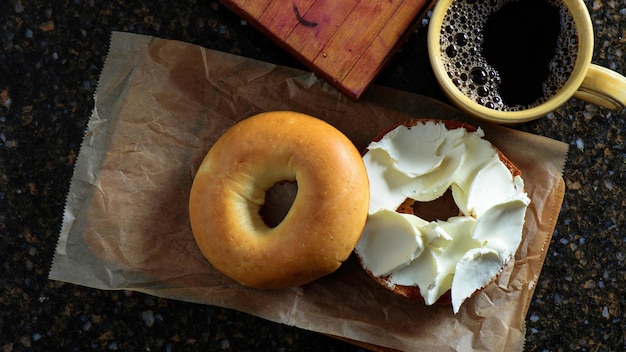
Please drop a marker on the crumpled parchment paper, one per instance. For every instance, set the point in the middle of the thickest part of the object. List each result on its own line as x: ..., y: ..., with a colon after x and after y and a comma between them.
x: 161, y: 104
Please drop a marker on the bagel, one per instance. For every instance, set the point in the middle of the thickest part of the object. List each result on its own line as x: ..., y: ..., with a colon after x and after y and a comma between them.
x: 446, y: 213
x: 324, y: 222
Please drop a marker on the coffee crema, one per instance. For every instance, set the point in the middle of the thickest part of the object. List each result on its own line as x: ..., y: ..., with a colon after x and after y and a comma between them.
x: 509, y: 55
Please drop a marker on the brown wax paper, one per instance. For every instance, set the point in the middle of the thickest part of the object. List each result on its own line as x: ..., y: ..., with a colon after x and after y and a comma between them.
x: 161, y: 104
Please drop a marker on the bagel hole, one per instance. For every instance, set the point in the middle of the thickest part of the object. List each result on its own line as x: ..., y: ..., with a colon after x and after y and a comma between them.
x: 441, y: 208
x: 278, y: 200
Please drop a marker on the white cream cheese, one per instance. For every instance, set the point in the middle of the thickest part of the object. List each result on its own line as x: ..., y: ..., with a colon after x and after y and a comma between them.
x: 463, y: 253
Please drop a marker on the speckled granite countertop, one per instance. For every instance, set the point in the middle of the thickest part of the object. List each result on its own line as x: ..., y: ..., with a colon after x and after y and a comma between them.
x: 51, y: 53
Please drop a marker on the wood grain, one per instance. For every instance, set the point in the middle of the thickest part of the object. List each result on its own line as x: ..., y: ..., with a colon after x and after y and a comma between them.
x: 345, y: 42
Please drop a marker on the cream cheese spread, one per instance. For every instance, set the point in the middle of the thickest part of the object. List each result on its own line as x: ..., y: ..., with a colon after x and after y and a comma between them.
x: 462, y: 253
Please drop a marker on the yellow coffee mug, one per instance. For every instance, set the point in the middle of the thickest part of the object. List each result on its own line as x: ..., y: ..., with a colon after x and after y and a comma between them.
x: 587, y: 81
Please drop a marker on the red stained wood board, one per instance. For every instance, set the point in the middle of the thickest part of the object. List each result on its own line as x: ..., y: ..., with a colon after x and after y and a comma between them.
x: 345, y: 42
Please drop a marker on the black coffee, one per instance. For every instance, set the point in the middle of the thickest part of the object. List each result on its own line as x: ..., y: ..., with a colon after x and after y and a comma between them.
x: 509, y: 54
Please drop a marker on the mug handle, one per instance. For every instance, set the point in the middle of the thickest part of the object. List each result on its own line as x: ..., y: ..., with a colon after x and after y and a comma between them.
x: 603, y: 87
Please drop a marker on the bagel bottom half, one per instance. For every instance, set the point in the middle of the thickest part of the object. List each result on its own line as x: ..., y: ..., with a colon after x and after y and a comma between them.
x: 446, y: 212
x: 324, y: 222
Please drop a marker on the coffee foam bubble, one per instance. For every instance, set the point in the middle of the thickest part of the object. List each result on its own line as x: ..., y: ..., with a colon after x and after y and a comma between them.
x: 461, y: 42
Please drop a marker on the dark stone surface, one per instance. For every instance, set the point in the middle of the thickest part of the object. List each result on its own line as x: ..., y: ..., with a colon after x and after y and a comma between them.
x: 51, y: 53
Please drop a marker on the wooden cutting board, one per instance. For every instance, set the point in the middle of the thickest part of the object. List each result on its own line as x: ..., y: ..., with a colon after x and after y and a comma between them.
x: 345, y: 42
